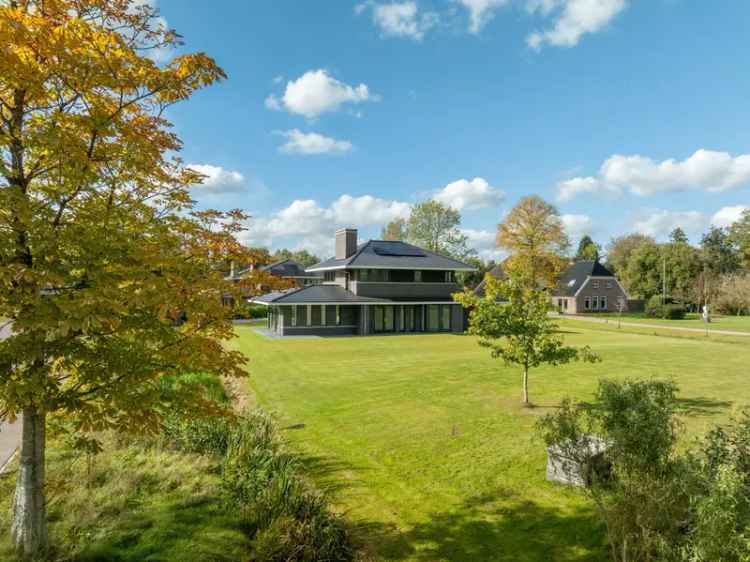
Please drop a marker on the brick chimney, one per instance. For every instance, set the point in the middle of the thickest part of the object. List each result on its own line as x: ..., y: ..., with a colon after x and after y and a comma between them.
x: 346, y: 243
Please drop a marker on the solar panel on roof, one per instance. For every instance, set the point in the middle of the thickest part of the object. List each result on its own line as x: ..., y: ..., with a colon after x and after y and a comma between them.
x: 397, y: 250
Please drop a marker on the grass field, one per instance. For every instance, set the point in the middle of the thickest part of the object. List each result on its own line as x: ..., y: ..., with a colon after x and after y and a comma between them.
x: 692, y: 320
x: 421, y: 439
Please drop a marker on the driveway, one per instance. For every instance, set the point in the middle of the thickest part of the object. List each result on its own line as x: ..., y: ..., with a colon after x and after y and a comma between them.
x: 10, y: 434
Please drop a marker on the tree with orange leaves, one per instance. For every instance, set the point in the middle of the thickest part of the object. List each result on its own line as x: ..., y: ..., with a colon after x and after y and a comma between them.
x: 101, y: 250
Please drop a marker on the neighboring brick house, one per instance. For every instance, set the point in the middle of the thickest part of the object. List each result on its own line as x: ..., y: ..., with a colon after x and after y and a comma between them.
x: 371, y: 288
x: 588, y: 286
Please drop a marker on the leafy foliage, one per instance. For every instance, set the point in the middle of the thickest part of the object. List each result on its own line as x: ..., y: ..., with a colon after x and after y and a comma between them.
x: 434, y: 226
x: 512, y: 320
x: 659, y: 504
x: 302, y: 257
x: 534, y: 235
x: 587, y: 249
x: 394, y: 230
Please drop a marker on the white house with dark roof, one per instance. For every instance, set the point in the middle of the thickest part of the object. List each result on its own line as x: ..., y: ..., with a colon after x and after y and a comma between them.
x: 371, y: 288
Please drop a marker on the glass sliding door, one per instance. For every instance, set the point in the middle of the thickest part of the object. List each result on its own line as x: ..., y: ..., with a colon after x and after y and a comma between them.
x: 378, y: 317
x: 409, y: 319
x: 388, y: 320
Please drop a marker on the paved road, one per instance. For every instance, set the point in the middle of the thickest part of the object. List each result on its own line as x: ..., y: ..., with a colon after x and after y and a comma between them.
x: 658, y: 326
x: 10, y: 434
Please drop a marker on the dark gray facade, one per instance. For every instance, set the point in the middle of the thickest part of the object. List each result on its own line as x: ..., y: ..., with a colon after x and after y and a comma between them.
x: 378, y: 287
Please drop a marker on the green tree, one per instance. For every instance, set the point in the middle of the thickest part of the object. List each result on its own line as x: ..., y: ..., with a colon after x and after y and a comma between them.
x: 521, y: 332
x: 534, y: 236
x: 619, y: 250
x: 302, y: 257
x: 111, y: 279
x: 435, y: 227
x: 720, y: 255
x: 587, y: 249
x: 683, y: 266
x: 642, y: 275
x: 395, y: 230
x: 739, y: 235
x: 678, y: 236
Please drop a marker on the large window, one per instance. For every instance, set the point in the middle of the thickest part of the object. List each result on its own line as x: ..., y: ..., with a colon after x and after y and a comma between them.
x: 409, y: 325
x: 383, y: 319
x: 404, y: 276
x: 433, y: 318
x: 401, y: 276
x: 445, y: 318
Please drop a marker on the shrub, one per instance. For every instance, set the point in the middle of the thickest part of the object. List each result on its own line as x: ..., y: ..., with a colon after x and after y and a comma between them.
x: 654, y: 306
x: 289, y: 520
x: 248, y: 311
x: 673, y: 312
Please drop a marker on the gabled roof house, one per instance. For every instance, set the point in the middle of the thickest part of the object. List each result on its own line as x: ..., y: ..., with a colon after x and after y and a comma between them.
x: 370, y: 288
x: 588, y: 286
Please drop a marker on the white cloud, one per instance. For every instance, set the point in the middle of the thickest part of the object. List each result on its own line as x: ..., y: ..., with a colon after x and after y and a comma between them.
x: 312, y: 143
x: 660, y: 223
x: 727, y: 216
x: 366, y: 210
x: 705, y: 169
x: 157, y: 54
x: 217, y: 180
x: 400, y: 19
x: 576, y: 18
x: 316, y: 224
x: 470, y: 195
x: 317, y: 92
x: 480, y: 12
x: 577, y: 225
x: 483, y: 241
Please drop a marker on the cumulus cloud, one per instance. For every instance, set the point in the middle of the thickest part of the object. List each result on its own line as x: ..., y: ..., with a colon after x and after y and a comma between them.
x: 577, y: 225
x: 317, y: 92
x: 400, y: 19
x: 312, y: 143
x: 660, y: 223
x: 480, y: 12
x: 316, y: 223
x: 483, y: 241
x: 470, y: 194
x: 575, y: 18
x: 727, y: 216
x: 705, y: 169
x: 217, y: 180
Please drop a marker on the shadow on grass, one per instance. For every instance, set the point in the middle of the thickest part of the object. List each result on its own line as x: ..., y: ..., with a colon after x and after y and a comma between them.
x: 701, y: 406
x: 495, y: 526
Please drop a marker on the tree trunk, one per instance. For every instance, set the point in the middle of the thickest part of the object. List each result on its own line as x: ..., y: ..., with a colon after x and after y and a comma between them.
x: 29, y: 527
x: 526, y: 385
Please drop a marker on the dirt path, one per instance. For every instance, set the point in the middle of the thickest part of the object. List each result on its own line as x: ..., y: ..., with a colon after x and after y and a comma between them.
x: 658, y: 326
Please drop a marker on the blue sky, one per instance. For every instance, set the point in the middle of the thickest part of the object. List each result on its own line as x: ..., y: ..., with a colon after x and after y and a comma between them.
x: 629, y: 115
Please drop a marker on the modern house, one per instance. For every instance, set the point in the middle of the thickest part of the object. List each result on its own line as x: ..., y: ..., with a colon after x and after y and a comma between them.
x: 372, y: 288
x: 588, y: 286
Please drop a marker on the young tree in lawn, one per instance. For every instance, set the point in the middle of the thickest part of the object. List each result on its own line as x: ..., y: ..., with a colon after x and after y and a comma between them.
x: 434, y: 226
x: 395, y: 230
x: 534, y: 236
x: 519, y: 329
x: 111, y: 280
x: 587, y: 249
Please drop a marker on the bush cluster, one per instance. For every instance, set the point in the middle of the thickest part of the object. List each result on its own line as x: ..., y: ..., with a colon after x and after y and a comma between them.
x: 249, y: 311
x: 659, y: 502
x: 668, y: 311
x: 287, y: 519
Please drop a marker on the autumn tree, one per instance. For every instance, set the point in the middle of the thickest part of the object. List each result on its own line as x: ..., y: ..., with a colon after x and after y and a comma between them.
x: 395, y: 230
x: 534, y: 236
x: 520, y: 332
x: 111, y: 279
x: 435, y: 227
x: 587, y: 249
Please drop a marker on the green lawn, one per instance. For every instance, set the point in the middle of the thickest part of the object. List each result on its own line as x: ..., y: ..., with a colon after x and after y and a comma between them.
x: 422, y: 440
x: 692, y: 320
